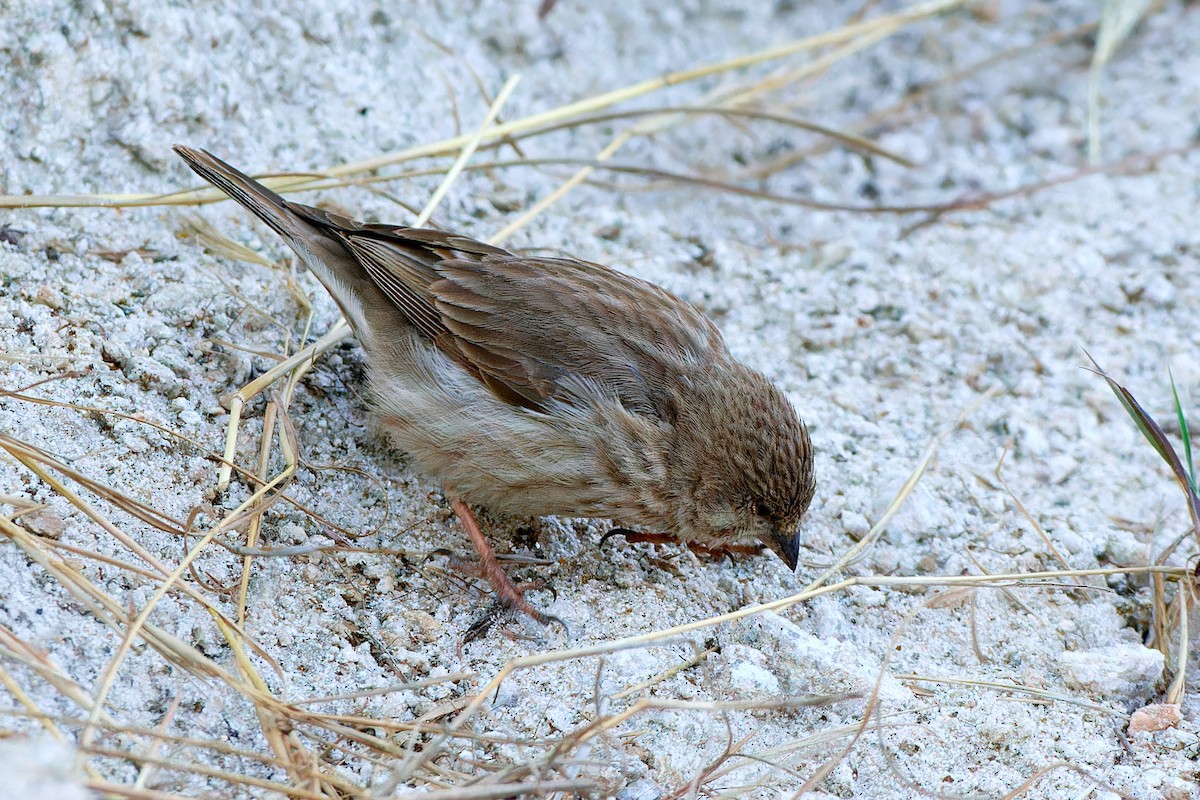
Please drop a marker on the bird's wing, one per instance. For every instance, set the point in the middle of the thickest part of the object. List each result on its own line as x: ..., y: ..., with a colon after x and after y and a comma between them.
x: 546, y: 327
x: 535, y: 330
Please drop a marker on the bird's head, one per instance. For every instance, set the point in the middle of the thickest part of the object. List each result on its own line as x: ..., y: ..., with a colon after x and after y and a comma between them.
x: 751, y: 463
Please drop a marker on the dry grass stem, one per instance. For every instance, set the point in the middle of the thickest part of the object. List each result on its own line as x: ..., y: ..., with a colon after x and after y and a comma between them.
x: 867, y: 28
x: 342, y: 745
x: 468, y: 150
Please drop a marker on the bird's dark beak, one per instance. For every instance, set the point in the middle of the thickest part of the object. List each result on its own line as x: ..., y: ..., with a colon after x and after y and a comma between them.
x: 784, y: 545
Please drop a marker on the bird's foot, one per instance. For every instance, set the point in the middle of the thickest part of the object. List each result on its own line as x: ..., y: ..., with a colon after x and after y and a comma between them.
x: 722, y: 551
x: 510, y: 597
x: 508, y: 603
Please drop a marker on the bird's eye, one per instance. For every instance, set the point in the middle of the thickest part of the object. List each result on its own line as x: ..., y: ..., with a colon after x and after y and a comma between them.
x: 761, y: 509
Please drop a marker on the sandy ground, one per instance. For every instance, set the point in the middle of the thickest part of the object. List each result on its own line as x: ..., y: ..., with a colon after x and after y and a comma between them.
x: 883, y: 334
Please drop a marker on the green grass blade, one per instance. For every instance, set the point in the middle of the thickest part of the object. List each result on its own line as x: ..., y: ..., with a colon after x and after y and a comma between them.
x: 1158, y: 440
x: 1184, y: 433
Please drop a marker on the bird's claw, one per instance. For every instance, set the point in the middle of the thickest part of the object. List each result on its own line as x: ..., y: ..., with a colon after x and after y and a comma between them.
x: 624, y: 532
x: 722, y: 551
x: 505, y: 607
x: 535, y: 585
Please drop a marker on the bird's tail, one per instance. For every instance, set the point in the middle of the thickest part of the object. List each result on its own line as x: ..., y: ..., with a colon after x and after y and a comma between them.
x: 315, y: 243
x: 261, y: 201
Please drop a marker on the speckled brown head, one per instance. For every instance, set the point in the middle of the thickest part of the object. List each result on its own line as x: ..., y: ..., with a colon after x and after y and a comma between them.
x: 747, y: 462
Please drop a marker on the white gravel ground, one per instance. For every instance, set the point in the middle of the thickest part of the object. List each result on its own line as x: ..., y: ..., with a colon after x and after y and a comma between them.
x: 881, y: 333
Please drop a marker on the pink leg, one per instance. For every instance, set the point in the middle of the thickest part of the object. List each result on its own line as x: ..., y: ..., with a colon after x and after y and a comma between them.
x: 507, y: 593
x: 723, y: 551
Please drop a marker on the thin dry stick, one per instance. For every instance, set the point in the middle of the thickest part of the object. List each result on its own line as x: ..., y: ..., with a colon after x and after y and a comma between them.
x: 150, y: 769
x: 1135, y: 164
x: 1016, y: 688
x: 500, y: 132
x: 234, y: 778
x: 498, y: 791
x: 1176, y: 689
x: 655, y: 124
x: 1046, y: 770
x: 436, y: 680
x: 824, y: 737
x: 665, y: 674
x: 275, y: 720
x: 158, y: 735
x: 110, y: 789
x: 1118, y: 18
x: 299, y: 363
x: 793, y: 75
x: 1012, y: 598
x: 264, y: 466
x: 1158, y: 618
x: 301, y: 766
x: 212, y: 240
x: 468, y: 150
x: 850, y: 140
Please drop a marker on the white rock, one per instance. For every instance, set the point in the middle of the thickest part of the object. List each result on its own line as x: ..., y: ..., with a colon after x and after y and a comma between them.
x: 748, y: 677
x: 804, y: 663
x: 39, y: 768
x: 1124, y: 549
x: 1120, y: 671
x: 855, y: 523
x: 561, y: 717
x: 641, y: 790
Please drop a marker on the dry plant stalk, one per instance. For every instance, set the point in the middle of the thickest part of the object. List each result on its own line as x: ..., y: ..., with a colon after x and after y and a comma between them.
x: 287, y: 726
x: 296, y: 736
x: 889, y: 24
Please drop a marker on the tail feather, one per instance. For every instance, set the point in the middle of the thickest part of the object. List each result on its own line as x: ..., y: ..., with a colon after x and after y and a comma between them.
x: 317, y: 245
x: 261, y: 201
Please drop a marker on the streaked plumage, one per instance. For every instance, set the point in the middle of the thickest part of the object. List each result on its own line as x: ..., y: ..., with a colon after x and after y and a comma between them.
x: 551, y: 385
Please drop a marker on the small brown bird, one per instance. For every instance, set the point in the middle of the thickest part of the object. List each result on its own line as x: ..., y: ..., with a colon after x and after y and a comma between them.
x: 539, y: 386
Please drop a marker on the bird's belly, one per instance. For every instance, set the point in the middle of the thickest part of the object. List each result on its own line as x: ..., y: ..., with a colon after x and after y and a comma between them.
x: 486, y: 451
